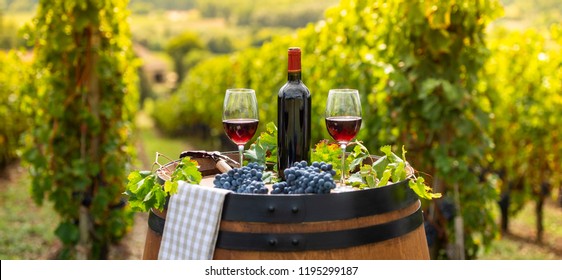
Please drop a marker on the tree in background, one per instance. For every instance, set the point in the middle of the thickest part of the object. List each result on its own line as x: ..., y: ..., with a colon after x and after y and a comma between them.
x: 83, y: 97
x: 180, y: 46
x: 220, y: 44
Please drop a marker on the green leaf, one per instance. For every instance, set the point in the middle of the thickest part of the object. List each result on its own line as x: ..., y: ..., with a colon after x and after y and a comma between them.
x: 68, y: 232
x: 385, y: 177
x: 421, y: 189
x: 264, y: 149
x: 356, y: 180
x: 137, y: 205
x: 380, y: 165
x: 144, y: 193
x: 268, y: 177
x: 159, y: 199
x: 168, y: 186
x: 148, y: 196
x: 134, y: 177
x: 387, y: 150
x: 187, y: 170
x: 357, y: 155
x: 392, y: 157
x: 399, y: 173
x: 371, y: 181
x: 255, y: 154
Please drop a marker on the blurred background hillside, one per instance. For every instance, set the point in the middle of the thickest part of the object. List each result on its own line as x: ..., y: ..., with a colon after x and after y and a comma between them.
x: 505, y: 93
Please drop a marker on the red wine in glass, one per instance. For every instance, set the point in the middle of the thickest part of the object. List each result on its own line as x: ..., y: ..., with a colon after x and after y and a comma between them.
x: 343, y: 128
x: 343, y: 121
x: 240, y: 131
x: 240, y: 117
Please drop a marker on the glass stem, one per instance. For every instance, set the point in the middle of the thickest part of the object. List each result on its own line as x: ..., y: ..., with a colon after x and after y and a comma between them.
x: 342, y: 178
x: 241, y: 150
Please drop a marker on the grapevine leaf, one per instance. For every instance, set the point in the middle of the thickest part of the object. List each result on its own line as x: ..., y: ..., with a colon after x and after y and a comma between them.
x: 385, y: 177
x: 390, y: 166
x: 173, y: 189
x: 144, y: 193
x: 360, y: 146
x: 255, y: 154
x: 380, y: 165
x: 187, y: 170
x: 134, y: 177
x: 368, y: 175
x: 386, y: 150
x: 392, y: 157
x: 399, y: 173
x: 270, y: 138
x: 371, y: 181
x: 137, y: 205
x: 148, y: 196
x: 356, y: 180
x: 367, y: 170
x: 160, y: 198
x: 268, y: 177
x: 357, y: 155
x: 422, y: 190
x: 68, y: 232
x: 328, y: 153
x: 146, y: 186
x: 168, y: 186
x: 264, y: 149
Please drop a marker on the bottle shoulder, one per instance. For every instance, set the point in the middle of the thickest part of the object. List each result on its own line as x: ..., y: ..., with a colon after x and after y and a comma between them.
x: 294, y: 89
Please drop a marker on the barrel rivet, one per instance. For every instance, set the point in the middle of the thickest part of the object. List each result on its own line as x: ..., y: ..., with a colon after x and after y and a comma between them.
x: 295, y: 242
x: 272, y: 242
x: 271, y: 208
x: 295, y: 209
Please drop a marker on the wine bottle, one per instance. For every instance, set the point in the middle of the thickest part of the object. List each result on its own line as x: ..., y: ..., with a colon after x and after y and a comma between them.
x: 293, y: 116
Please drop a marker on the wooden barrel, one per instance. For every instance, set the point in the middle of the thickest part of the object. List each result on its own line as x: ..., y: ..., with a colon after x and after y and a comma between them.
x: 381, y: 223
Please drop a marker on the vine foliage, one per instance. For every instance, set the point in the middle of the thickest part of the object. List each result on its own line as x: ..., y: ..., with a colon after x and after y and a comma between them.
x: 13, y: 116
x: 83, y: 96
x: 524, y: 81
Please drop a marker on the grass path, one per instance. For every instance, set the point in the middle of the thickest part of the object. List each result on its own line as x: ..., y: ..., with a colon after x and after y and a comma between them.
x: 26, y: 230
x: 520, y: 243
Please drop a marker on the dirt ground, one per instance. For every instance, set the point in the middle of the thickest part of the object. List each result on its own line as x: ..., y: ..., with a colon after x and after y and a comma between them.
x: 526, y: 235
x: 132, y: 245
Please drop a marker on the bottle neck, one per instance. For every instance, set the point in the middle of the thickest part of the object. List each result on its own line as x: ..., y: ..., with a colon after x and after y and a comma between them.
x: 294, y: 76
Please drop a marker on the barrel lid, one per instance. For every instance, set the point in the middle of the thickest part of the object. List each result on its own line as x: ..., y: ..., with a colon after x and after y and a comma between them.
x: 294, y: 208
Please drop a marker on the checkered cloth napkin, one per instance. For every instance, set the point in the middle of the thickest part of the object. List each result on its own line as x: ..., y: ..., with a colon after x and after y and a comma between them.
x: 192, y: 223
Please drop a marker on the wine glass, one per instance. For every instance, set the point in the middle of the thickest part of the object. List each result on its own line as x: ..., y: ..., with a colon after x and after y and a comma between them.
x: 343, y: 119
x: 240, y: 117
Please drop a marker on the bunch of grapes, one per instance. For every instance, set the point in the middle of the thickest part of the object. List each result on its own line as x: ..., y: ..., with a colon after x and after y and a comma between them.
x: 431, y: 233
x: 247, y: 179
x: 301, y: 179
x: 447, y: 208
